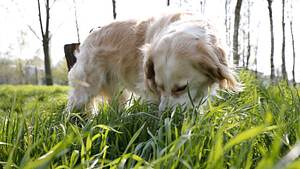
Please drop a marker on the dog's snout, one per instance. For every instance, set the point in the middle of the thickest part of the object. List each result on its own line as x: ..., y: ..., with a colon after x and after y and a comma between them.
x: 164, y: 102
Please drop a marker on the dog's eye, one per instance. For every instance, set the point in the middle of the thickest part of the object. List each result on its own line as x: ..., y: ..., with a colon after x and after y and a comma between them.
x: 179, y: 89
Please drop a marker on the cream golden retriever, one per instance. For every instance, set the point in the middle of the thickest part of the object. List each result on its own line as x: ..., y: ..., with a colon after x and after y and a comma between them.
x: 171, y: 60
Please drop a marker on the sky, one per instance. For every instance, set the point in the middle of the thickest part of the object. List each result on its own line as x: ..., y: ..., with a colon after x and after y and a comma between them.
x: 19, y: 25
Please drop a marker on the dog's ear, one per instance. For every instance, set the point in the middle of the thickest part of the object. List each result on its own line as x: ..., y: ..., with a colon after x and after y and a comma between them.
x: 148, y: 66
x: 149, y: 75
x: 213, y: 63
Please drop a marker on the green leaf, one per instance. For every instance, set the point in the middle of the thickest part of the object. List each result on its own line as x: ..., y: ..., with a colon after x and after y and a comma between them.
x: 134, y: 137
x: 74, y: 158
x: 105, y: 127
x: 58, y: 150
x: 244, y: 136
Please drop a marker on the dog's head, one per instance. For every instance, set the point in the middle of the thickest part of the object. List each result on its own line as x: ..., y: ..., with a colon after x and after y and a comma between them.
x: 183, y: 64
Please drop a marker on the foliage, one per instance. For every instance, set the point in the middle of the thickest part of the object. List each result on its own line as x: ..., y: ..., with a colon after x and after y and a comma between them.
x: 253, y: 129
x: 60, y: 73
x: 6, y: 70
x: 30, y: 71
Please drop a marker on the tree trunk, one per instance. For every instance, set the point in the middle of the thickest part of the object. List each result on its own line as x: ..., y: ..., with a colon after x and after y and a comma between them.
x: 248, y: 50
x: 283, y: 68
x: 236, y: 56
x: 293, y: 42
x: 76, y: 21
x: 228, y: 26
x: 168, y: 2
x: 47, y: 62
x: 114, y: 9
x: 255, y: 57
x: 248, y: 36
x: 45, y: 41
x: 36, y: 72
x: 294, y: 54
x: 202, y: 6
x: 244, y: 41
x: 272, y: 39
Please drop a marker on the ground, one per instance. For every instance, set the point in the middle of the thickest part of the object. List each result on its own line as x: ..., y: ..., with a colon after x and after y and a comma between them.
x: 256, y: 128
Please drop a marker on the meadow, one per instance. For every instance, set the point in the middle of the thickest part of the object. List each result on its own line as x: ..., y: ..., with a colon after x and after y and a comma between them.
x: 257, y: 128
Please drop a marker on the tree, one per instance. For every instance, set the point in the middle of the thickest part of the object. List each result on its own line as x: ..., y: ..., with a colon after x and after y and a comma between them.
x: 202, y: 6
x: 248, y: 35
x: 236, y: 56
x: 46, y: 37
x: 293, y: 43
x: 7, y: 70
x: 168, y: 2
x: 244, y: 34
x: 283, y: 68
x: 294, y: 54
x: 272, y: 39
x: 228, y: 25
x: 76, y: 21
x: 114, y: 9
x: 255, y: 48
x: 243, y: 43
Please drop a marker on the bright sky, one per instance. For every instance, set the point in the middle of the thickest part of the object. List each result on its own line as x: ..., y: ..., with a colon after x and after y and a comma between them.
x: 17, y: 16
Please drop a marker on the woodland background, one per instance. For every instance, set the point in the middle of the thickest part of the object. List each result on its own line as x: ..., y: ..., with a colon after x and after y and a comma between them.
x: 258, y: 35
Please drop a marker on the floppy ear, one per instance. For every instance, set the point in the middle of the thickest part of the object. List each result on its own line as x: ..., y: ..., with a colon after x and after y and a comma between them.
x: 148, y: 66
x: 214, y: 65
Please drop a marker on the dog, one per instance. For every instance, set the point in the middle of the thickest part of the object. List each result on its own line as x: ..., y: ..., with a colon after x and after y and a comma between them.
x: 175, y: 59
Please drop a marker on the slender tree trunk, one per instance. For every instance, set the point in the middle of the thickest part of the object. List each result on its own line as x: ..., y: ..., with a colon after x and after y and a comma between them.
x: 76, y: 21
x: 202, y: 6
x: 272, y: 39
x: 47, y: 62
x: 294, y: 54
x: 114, y: 9
x: 45, y: 41
x: 226, y: 20
x: 248, y: 36
x: 243, y: 47
x: 255, y: 57
x: 228, y: 26
x: 36, y: 79
x: 236, y: 56
x: 283, y: 68
x: 168, y: 2
x: 248, y: 50
x: 293, y: 41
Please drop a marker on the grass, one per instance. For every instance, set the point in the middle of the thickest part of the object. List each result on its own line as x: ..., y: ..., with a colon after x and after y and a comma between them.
x: 256, y: 128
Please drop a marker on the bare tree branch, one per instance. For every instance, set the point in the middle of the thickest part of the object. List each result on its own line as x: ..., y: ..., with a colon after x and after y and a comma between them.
x: 33, y: 31
x: 114, y: 9
x: 40, y: 17
x: 76, y: 21
x: 52, y: 4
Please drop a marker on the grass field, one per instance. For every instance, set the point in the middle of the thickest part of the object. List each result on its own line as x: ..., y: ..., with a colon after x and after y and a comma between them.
x: 257, y: 128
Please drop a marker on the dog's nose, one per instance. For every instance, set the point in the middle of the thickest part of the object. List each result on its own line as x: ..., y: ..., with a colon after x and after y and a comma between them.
x: 161, y: 107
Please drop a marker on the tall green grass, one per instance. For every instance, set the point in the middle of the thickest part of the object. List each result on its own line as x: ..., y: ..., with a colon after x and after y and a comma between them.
x: 256, y: 128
